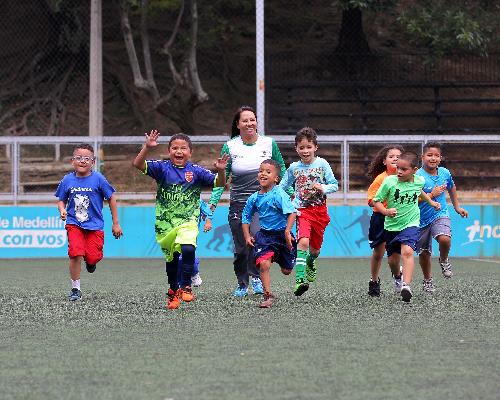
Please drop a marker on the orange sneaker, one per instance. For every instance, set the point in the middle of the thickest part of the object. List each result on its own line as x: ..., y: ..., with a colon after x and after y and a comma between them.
x: 173, y: 300
x: 186, y: 294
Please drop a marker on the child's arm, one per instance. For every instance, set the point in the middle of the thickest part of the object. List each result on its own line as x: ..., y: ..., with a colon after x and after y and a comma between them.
x: 151, y: 142
x: 208, y: 224
x: 388, y: 212
x: 61, y: 207
x: 116, y: 228
x: 434, y: 204
x: 288, y: 230
x: 456, y: 205
x: 246, y: 233
x: 221, y: 165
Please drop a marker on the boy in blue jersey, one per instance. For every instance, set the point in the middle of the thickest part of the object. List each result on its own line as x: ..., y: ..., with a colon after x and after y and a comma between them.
x: 312, y: 178
x: 81, y: 194
x: 178, y: 207
x: 436, y: 224
x: 274, y: 241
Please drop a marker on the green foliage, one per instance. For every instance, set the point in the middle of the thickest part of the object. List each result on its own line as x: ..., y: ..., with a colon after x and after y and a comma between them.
x: 445, y: 26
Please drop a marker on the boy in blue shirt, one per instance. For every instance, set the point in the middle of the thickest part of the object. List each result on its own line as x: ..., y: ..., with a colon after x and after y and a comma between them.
x: 436, y: 224
x: 81, y: 194
x: 274, y: 241
x: 312, y: 177
x: 178, y: 207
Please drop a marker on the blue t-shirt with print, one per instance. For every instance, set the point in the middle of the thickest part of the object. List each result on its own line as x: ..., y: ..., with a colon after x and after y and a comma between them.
x: 428, y: 213
x: 84, y: 199
x: 273, y: 208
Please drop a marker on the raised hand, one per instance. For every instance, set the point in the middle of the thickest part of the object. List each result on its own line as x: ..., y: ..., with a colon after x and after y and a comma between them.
x: 221, y: 162
x: 152, y: 138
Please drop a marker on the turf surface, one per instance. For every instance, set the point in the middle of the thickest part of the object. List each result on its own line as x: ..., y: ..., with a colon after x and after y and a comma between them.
x: 334, y: 342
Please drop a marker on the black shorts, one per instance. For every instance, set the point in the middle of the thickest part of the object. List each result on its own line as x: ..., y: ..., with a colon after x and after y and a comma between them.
x: 272, y: 245
x: 376, y: 231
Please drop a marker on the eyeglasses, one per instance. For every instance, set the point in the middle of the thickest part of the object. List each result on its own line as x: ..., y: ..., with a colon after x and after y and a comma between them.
x: 85, y: 159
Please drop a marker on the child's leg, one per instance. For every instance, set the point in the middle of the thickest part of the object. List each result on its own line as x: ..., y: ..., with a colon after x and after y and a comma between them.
x: 408, y: 263
x: 444, y: 246
x: 376, y: 261
x: 424, y: 259
x: 75, y: 267
x: 265, y: 276
x: 300, y: 262
x: 188, y: 256
x: 394, y: 262
x: 172, y: 268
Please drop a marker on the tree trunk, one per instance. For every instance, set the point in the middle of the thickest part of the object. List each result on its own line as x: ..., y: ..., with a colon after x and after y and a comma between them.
x: 352, y: 38
x: 201, y: 95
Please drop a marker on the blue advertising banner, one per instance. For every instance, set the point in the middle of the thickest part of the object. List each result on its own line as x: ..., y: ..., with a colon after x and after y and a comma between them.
x: 32, y: 232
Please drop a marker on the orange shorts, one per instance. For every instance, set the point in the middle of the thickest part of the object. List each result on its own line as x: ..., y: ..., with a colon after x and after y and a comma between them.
x: 82, y: 242
x: 311, y: 223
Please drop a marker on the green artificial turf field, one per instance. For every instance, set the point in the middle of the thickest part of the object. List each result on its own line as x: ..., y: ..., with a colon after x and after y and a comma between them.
x: 334, y: 342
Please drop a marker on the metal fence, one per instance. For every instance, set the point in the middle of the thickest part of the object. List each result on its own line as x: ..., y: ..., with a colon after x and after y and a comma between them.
x: 31, y: 167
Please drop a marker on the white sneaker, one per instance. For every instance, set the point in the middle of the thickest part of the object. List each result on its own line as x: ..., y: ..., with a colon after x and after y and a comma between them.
x: 196, y: 280
x: 446, y: 268
x: 406, y: 292
x: 428, y: 285
x: 398, y: 282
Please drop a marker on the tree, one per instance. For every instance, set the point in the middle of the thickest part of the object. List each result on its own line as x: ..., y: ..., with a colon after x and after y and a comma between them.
x: 439, y: 26
x: 185, y: 93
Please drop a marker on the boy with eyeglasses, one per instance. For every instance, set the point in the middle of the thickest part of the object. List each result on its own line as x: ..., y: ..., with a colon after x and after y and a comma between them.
x: 81, y: 194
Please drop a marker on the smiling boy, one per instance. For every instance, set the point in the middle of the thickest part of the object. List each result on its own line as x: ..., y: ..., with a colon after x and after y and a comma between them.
x: 81, y: 194
x: 178, y: 207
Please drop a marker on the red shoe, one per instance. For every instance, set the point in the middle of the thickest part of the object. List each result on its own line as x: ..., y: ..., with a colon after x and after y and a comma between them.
x: 186, y: 294
x: 173, y: 301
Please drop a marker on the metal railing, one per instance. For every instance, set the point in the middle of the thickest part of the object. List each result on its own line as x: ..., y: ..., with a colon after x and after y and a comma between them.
x: 13, y: 151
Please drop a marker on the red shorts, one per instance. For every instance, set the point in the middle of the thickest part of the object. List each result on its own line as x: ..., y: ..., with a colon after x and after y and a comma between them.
x: 311, y: 223
x: 82, y: 242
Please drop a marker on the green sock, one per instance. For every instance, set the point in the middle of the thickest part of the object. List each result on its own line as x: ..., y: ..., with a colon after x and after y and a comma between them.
x: 300, y: 264
x: 310, y: 258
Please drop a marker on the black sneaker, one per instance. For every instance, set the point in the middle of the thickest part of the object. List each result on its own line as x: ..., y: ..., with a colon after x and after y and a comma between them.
x: 374, y: 288
x: 301, y: 287
x: 75, y: 294
x: 90, y: 267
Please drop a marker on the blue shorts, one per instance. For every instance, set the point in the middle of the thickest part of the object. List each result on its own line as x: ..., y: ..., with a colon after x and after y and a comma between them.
x: 272, y: 245
x: 376, y: 235
x: 394, y: 239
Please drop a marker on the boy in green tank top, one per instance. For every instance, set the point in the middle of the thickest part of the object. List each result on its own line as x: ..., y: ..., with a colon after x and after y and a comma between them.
x: 401, y: 225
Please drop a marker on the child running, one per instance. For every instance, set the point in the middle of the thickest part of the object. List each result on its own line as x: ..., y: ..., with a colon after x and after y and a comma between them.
x: 312, y: 178
x: 178, y: 207
x: 401, y: 193
x: 81, y: 194
x: 382, y: 165
x: 274, y: 241
x: 436, y: 224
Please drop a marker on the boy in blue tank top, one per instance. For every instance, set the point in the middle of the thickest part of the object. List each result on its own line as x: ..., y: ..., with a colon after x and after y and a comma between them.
x: 274, y: 241
x: 436, y: 224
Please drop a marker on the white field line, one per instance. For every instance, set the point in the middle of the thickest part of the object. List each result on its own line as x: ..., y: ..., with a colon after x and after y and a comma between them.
x: 484, y: 260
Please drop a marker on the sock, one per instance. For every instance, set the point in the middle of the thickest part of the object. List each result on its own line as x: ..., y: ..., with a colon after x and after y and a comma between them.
x: 310, y: 259
x: 171, y: 270
x: 300, y: 264
x: 75, y: 284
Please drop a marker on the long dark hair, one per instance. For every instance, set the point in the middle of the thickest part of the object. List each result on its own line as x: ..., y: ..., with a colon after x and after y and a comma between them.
x: 377, y: 166
x: 234, y: 126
